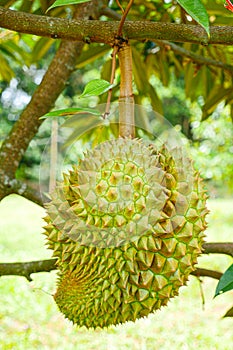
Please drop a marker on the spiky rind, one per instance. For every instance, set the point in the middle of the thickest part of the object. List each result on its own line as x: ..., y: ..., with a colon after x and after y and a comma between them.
x: 127, y: 227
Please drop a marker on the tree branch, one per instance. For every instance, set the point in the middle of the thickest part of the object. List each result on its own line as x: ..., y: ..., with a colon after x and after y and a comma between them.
x: 218, y: 248
x: 105, y: 31
x: 21, y: 188
x: 25, y: 269
x: 197, y: 58
x: 33, y: 195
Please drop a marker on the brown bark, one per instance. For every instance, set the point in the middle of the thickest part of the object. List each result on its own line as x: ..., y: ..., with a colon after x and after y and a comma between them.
x: 104, y: 31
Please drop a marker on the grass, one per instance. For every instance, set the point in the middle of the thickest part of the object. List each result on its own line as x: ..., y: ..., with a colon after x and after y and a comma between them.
x: 29, y: 318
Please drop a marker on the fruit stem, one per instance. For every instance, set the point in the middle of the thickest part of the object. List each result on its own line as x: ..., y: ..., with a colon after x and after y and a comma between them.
x: 126, y: 100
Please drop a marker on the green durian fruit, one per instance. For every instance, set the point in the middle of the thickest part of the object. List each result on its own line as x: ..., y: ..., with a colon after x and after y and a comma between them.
x: 126, y: 226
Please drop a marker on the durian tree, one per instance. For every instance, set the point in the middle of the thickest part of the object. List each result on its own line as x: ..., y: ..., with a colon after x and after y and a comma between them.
x: 126, y: 224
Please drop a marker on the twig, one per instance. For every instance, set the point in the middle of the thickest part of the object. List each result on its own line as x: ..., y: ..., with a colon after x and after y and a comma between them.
x: 123, y: 18
x: 114, y: 53
x: 202, y: 293
x: 119, y: 4
x: 207, y: 273
x: 53, y: 155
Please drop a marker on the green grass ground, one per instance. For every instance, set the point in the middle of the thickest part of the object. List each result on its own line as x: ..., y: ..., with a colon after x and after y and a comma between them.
x: 30, y: 320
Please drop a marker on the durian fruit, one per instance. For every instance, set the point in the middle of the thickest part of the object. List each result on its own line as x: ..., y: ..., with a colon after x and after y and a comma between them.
x: 126, y: 226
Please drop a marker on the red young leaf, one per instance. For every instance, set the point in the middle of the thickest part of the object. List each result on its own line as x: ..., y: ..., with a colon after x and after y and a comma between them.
x: 229, y: 5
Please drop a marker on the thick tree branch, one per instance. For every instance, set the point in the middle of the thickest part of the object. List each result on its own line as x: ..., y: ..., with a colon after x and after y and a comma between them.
x: 27, y: 268
x: 53, y: 83
x: 33, y: 195
x: 218, y: 248
x: 22, y: 189
x: 194, y: 57
x: 104, y: 31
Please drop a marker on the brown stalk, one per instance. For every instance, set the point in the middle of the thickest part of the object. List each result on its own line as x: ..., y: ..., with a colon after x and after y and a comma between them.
x: 126, y: 100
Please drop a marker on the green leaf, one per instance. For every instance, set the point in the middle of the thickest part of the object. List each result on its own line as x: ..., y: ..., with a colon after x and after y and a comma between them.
x: 70, y: 111
x: 66, y: 2
x: 96, y: 87
x: 197, y: 11
x: 226, y: 282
